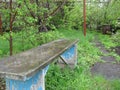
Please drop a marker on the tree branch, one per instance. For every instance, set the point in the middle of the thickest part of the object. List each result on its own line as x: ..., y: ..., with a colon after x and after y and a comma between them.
x: 57, y: 9
x: 14, y: 16
x: 32, y: 14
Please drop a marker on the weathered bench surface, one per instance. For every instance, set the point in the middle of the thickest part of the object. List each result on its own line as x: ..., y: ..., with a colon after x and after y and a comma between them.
x: 25, y: 64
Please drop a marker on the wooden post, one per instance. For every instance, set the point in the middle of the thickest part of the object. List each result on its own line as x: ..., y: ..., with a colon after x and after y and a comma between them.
x: 11, y: 23
x: 84, y: 15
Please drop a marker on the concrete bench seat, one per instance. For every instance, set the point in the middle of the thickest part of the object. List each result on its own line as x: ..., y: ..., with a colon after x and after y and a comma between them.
x: 26, y: 70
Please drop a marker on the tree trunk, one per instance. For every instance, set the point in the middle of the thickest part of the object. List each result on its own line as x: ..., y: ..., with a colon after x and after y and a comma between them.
x: 42, y: 26
x: 1, y: 32
x: 42, y: 22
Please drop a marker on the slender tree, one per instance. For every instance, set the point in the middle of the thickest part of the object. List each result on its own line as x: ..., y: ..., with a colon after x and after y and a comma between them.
x: 1, y: 32
x: 12, y: 19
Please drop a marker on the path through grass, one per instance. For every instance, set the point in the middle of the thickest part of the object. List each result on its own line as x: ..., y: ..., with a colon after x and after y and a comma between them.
x: 80, y: 78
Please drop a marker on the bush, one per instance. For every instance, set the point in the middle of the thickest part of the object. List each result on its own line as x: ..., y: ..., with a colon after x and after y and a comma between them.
x: 116, y: 38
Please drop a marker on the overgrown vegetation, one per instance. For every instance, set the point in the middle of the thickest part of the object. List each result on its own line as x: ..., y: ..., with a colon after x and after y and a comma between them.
x: 80, y: 78
x: 30, y: 19
x: 42, y: 16
x: 116, y: 38
x: 29, y: 40
x: 76, y: 79
x: 111, y: 42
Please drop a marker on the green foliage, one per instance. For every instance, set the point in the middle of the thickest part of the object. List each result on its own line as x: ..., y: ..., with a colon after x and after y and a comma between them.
x: 1, y: 52
x: 116, y: 85
x: 70, y: 15
x: 78, y: 78
x: 29, y: 14
x: 116, y: 38
x: 107, y: 41
x: 102, y: 13
x: 28, y: 37
x: 50, y: 36
x: 114, y: 14
x: 57, y: 78
x: 110, y: 42
x: 73, y: 16
x: 86, y: 49
x: 65, y: 79
x: 24, y: 40
x: 4, y: 46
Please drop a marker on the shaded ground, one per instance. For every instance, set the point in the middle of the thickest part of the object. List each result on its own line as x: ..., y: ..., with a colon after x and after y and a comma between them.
x: 2, y: 84
x: 117, y: 50
x: 109, y: 68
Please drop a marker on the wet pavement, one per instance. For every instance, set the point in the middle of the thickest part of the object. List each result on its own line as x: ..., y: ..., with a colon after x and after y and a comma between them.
x: 108, y: 67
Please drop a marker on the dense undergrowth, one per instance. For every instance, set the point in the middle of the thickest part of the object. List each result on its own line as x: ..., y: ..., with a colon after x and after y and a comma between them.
x: 111, y: 41
x: 25, y: 40
x: 80, y: 77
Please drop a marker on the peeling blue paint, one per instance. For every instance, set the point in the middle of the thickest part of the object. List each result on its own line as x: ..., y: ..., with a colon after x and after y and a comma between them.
x: 36, y: 82
x: 70, y: 53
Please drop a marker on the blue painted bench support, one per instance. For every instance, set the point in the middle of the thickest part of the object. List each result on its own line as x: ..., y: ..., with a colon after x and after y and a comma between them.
x: 27, y: 70
x: 69, y: 57
x: 35, y: 82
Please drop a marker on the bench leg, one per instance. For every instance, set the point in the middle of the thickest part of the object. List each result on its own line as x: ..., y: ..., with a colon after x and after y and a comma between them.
x: 69, y: 57
x: 36, y: 82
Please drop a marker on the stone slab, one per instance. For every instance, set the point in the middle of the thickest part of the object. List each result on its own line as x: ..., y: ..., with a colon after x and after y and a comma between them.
x: 26, y: 64
x: 108, y: 70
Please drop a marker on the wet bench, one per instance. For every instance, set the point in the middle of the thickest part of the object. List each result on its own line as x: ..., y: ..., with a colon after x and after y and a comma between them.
x: 27, y: 70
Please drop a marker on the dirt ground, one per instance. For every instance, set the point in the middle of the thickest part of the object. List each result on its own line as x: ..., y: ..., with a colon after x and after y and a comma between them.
x: 2, y: 84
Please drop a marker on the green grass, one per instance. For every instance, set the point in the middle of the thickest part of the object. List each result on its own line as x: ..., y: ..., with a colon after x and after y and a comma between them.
x: 87, y: 52
x: 25, y: 40
x: 4, y: 46
x: 106, y: 41
x: 79, y: 78
x: 110, y: 41
x: 115, y: 84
